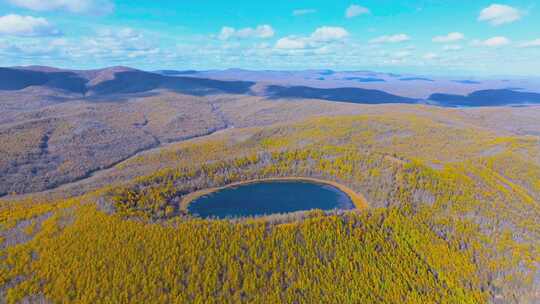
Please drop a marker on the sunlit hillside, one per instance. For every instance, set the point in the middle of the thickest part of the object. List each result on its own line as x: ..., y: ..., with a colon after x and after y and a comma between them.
x: 451, y: 218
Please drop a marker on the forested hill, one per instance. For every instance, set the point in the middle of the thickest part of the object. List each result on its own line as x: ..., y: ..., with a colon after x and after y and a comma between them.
x: 446, y: 223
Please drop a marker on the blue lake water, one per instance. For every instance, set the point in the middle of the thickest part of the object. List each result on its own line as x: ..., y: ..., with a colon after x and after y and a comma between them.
x: 269, y: 197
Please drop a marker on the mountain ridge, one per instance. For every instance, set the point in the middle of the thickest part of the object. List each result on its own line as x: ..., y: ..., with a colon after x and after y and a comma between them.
x: 351, y: 86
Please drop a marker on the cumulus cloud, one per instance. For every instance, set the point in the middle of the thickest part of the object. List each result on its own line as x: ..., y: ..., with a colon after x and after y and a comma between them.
x: 401, y: 55
x: 530, y: 44
x: 498, y: 14
x: 451, y: 37
x: 106, y: 46
x: 291, y: 43
x: 125, y: 33
x: 493, y: 42
x: 329, y: 33
x: 452, y: 48
x: 356, y: 10
x: 394, y: 58
x: 227, y: 32
x: 391, y: 39
x: 261, y: 31
x: 26, y: 26
x: 73, y: 6
x: 430, y: 56
x: 114, y: 44
x: 304, y: 11
x: 321, y: 35
x: 28, y: 51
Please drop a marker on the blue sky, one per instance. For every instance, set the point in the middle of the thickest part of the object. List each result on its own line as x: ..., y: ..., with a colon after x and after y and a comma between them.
x: 424, y: 36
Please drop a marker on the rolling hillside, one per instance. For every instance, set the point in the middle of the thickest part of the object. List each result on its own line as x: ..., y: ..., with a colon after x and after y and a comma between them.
x: 95, y: 167
x: 456, y: 222
x: 60, y: 126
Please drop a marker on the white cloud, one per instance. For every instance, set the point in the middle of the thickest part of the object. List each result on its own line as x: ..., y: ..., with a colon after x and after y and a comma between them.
x: 401, y: 55
x: 493, y: 42
x: 59, y: 42
x: 26, y: 51
x: 329, y: 33
x: 262, y: 45
x: 391, y: 39
x: 26, y: 26
x: 73, y: 6
x: 291, y: 43
x: 317, y: 40
x: 125, y: 33
x: 116, y: 44
x: 142, y: 53
x: 261, y: 31
x: 393, y: 58
x: 226, y: 32
x: 452, y: 47
x: 356, y: 10
x: 305, y: 11
x: 530, y: 44
x: 430, y: 56
x: 128, y: 33
x: 112, y: 46
x: 498, y: 14
x: 451, y: 37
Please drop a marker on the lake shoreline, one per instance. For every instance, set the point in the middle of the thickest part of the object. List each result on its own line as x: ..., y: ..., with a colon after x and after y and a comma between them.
x: 357, y: 199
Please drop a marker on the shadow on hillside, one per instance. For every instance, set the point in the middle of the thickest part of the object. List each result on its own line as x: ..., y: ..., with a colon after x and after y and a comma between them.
x: 139, y: 82
x: 351, y: 95
x: 15, y: 79
x: 128, y: 82
x: 487, y: 98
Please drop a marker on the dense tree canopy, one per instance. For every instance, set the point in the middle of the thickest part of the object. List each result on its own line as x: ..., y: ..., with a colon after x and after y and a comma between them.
x: 446, y: 223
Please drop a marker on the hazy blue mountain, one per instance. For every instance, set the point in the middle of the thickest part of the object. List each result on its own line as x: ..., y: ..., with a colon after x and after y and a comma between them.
x: 347, y: 86
x: 487, y: 98
x: 353, y: 95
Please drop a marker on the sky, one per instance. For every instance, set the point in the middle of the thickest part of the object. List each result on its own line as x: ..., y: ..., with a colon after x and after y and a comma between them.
x: 431, y: 37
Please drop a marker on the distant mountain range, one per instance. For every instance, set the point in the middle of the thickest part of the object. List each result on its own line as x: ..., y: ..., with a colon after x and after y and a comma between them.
x: 353, y: 95
x: 117, y: 80
x: 355, y: 86
x: 487, y: 98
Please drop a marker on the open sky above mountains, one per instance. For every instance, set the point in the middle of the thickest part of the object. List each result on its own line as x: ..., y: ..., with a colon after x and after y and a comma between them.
x: 422, y: 36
